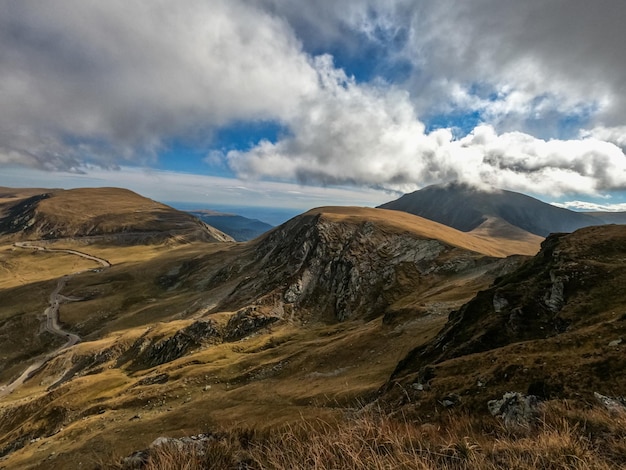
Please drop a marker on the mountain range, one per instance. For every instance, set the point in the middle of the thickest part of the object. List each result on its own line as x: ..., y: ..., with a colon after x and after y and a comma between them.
x: 167, y: 327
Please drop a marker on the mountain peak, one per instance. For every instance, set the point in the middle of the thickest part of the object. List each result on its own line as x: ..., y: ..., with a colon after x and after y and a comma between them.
x: 466, y: 208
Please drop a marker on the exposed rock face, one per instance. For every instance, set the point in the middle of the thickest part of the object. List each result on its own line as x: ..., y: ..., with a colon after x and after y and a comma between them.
x: 555, y: 321
x: 615, y: 406
x: 343, y: 269
x: 246, y: 322
x: 524, y: 305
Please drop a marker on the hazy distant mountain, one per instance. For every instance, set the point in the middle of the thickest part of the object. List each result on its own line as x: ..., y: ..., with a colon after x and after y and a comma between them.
x: 610, y: 217
x: 240, y: 228
x: 466, y: 208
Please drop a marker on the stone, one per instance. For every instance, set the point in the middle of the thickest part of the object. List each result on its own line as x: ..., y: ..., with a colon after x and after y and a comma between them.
x: 515, y: 409
x: 450, y: 401
x: 615, y: 343
x: 615, y: 406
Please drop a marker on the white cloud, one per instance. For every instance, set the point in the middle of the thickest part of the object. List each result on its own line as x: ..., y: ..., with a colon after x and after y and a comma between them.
x: 616, y: 135
x: 591, y: 206
x: 205, y: 190
x: 367, y: 135
x: 110, y: 82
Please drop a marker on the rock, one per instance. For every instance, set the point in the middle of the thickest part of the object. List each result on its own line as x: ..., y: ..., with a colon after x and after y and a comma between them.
x: 499, y: 302
x: 344, y: 268
x: 615, y: 343
x: 555, y: 298
x: 197, y: 334
x: 450, y: 401
x: 515, y: 409
x: 155, y: 379
x: 615, y: 406
x: 178, y: 444
x: 246, y: 322
x: 136, y: 460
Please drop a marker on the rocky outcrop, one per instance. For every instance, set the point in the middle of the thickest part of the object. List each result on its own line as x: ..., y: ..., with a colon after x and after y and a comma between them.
x: 524, y: 305
x: 247, y: 322
x: 615, y: 406
x: 517, y: 411
x: 551, y: 326
x: 343, y: 269
x: 148, y: 351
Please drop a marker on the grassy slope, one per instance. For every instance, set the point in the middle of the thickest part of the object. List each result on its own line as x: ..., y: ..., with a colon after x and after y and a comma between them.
x: 491, y: 244
x: 100, y: 211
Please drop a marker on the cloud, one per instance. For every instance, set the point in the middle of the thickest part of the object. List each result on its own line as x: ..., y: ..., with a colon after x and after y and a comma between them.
x: 591, y: 206
x: 82, y: 80
x: 206, y: 191
x: 111, y: 83
x: 525, y: 65
x: 616, y: 135
x: 367, y: 135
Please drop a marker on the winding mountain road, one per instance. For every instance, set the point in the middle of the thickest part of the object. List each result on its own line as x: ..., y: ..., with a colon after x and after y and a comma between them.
x: 52, y: 314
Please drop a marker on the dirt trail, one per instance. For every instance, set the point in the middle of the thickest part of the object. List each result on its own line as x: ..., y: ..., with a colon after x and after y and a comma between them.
x: 52, y: 314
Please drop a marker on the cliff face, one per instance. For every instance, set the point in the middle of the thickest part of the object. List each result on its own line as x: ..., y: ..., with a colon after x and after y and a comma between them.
x: 343, y: 269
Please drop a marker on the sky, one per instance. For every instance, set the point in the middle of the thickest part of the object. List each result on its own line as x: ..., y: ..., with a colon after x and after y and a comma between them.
x: 294, y: 104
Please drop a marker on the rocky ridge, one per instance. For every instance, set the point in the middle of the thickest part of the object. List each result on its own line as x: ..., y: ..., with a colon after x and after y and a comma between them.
x: 552, y: 327
x: 344, y: 269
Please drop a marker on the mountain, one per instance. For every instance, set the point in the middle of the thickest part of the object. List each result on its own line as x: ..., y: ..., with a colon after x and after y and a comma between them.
x: 105, y: 213
x: 466, y: 208
x: 314, y: 313
x: 336, y: 308
x: 609, y: 217
x: 554, y: 327
x: 240, y: 228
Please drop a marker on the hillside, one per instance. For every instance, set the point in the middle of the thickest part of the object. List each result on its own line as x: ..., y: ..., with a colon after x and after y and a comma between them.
x: 466, y: 208
x: 108, y: 213
x: 553, y: 328
x: 309, y: 318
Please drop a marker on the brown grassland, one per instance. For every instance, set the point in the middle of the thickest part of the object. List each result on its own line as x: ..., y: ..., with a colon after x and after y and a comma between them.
x: 303, y: 392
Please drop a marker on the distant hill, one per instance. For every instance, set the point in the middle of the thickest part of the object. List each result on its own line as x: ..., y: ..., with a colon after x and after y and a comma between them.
x: 240, y: 228
x: 466, y: 208
x: 109, y: 213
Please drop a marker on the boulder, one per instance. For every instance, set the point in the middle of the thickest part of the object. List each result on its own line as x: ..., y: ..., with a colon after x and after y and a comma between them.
x: 518, y: 411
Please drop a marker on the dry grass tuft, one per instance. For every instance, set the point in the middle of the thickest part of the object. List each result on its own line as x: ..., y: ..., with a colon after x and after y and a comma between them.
x: 566, y: 439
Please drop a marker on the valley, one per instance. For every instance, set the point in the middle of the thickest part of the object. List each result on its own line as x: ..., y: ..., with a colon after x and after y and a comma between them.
x: 337, y: 312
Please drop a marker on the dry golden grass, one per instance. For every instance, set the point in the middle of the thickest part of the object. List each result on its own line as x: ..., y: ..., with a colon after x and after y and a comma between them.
x: 110, y: 208
x: 495, y: 245
x: 20, y: 266
x: 565, y: 439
